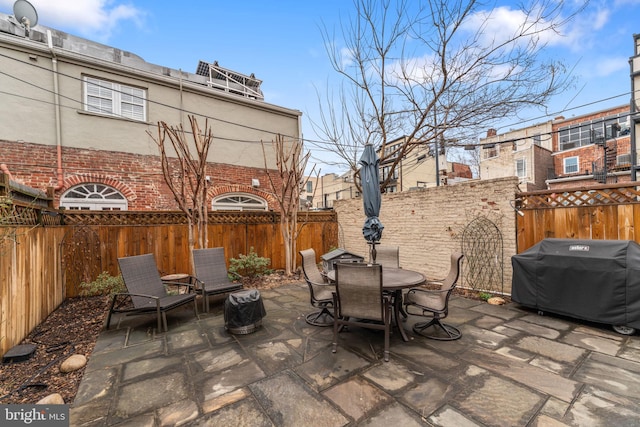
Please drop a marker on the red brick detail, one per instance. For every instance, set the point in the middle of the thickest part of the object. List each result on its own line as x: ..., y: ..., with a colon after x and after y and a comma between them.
x: 101, y: 179
x: 138, y: 177
x: 238, y: 188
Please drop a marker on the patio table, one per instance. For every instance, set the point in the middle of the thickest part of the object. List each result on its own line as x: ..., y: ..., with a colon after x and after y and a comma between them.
x: 394, y: 280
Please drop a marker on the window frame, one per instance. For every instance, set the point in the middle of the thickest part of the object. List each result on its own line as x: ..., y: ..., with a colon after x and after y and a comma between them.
x: 114, y: 99
x: 565, y: 165
x: 218, y: 205
x: 99, y: 197
x: 522, y: 161
x: 490, y: 151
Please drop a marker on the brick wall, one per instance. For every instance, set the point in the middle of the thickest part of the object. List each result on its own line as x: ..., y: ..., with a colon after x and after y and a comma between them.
x: 138, y: 177
x: 428, y: 224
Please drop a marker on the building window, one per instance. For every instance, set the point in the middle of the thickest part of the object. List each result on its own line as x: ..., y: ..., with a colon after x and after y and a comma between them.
x: 309, y: 187
x: 489, y: 151
x: 391, y: 151
x: 238, y: 202
x: 94, y: 197
x: 114, y: 99
x: 576, y: 136
x: 570, y: 164
x: 521, y: 168
x: 386, y: 170
x: 593, y: 131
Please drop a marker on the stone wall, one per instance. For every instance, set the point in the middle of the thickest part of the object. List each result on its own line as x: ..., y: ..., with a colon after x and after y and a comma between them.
x: 428, y: 224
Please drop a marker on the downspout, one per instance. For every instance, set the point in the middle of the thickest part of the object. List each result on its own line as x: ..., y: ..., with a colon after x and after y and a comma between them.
x: 56, y: 103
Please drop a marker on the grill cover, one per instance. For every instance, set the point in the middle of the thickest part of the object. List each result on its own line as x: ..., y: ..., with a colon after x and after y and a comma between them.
x: 594, y: 280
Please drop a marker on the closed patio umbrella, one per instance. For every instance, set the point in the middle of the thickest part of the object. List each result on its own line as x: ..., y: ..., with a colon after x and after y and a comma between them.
x: 370, y: 182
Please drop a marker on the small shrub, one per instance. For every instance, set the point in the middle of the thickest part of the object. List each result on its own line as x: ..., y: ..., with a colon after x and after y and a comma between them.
x: 105, y: 284
x: 484, y: 296
x: 250, y: 265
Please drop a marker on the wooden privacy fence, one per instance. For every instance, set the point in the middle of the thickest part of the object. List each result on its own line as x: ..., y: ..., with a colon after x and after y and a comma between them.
x: 603, y: 212
x: 41, y: 265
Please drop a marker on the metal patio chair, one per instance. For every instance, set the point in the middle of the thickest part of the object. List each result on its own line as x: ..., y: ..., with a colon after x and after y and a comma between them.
x: 146, y: 292
x: 211, y: 274
x: 388, y: 256
x: 434, y: 303
x: 320, y: 290
x: 359, y: 301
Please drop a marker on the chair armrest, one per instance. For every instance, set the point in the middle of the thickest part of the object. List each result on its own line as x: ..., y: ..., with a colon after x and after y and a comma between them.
x: 319, y: 283
x: 128, y: 294
x: 427, y: 291
x: 122, y: 297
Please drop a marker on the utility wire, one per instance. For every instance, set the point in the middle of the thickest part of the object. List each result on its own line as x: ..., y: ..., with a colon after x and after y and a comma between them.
x: 319, y: 145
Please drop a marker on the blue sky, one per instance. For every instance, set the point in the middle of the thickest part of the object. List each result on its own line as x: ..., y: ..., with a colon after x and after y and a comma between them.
x: 281, y: 43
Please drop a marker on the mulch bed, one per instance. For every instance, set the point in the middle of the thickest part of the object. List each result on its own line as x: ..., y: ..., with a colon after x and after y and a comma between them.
x: 72, y: 328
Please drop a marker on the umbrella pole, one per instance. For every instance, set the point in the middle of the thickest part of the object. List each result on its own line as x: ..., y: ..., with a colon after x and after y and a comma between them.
x: 372, y: 252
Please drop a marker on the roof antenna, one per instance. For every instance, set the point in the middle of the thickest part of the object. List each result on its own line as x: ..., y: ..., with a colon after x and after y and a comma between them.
x: 26, y: 15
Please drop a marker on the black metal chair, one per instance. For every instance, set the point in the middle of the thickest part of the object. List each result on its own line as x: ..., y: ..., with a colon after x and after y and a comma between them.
x: 320, y: 290
x: 211, y: 274
x: 434, y: 303
x: 359, y: 301
x: 146, y: 292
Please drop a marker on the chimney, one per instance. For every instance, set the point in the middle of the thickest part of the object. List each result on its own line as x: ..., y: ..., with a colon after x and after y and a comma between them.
x: 491, y: 132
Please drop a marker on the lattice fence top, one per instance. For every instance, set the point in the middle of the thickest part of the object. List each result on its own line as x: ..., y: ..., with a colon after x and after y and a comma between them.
x: 568, y: 198
x: 177, y: 217
x: 19, y: 214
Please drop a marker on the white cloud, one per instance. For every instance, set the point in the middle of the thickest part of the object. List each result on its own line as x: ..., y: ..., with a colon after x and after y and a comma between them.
x: 601, y: 18
x: 608, y: 66
x: 346, y: 57
x: 503, y: 23
x: 96, y: 18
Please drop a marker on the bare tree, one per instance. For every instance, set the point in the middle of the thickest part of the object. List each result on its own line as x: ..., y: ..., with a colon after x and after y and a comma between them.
x: 186, y: 174
x: 434, y: 70
x: 291, y: 164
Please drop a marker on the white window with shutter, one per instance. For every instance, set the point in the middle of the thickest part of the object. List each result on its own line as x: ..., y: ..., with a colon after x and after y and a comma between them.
x: 114, y: 99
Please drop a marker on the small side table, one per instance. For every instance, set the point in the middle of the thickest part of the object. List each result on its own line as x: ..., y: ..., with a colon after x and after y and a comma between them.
x: 172, y: 280
x: 176, y: 277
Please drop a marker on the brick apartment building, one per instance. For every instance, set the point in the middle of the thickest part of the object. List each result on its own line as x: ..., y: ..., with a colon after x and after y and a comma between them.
x: 581, y: 151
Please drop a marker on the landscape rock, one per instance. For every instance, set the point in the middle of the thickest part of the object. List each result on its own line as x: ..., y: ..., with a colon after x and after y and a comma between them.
x: 496, y: 301
x: 52, y: 399
x: 73, y: 363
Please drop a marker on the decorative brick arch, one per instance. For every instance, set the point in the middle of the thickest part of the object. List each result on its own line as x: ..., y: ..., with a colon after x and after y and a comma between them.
x: 219, y: 190
x: 74, y: 180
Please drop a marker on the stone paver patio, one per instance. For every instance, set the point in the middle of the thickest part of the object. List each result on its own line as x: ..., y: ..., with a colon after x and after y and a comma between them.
x: 511, y: 367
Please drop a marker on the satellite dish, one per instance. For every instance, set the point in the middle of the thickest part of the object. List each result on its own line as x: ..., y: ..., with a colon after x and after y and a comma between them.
x: 25, y: 13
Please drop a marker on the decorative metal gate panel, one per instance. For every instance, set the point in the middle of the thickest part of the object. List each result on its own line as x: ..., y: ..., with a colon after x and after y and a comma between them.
x: 483, y: 250
x: 81, y: 258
